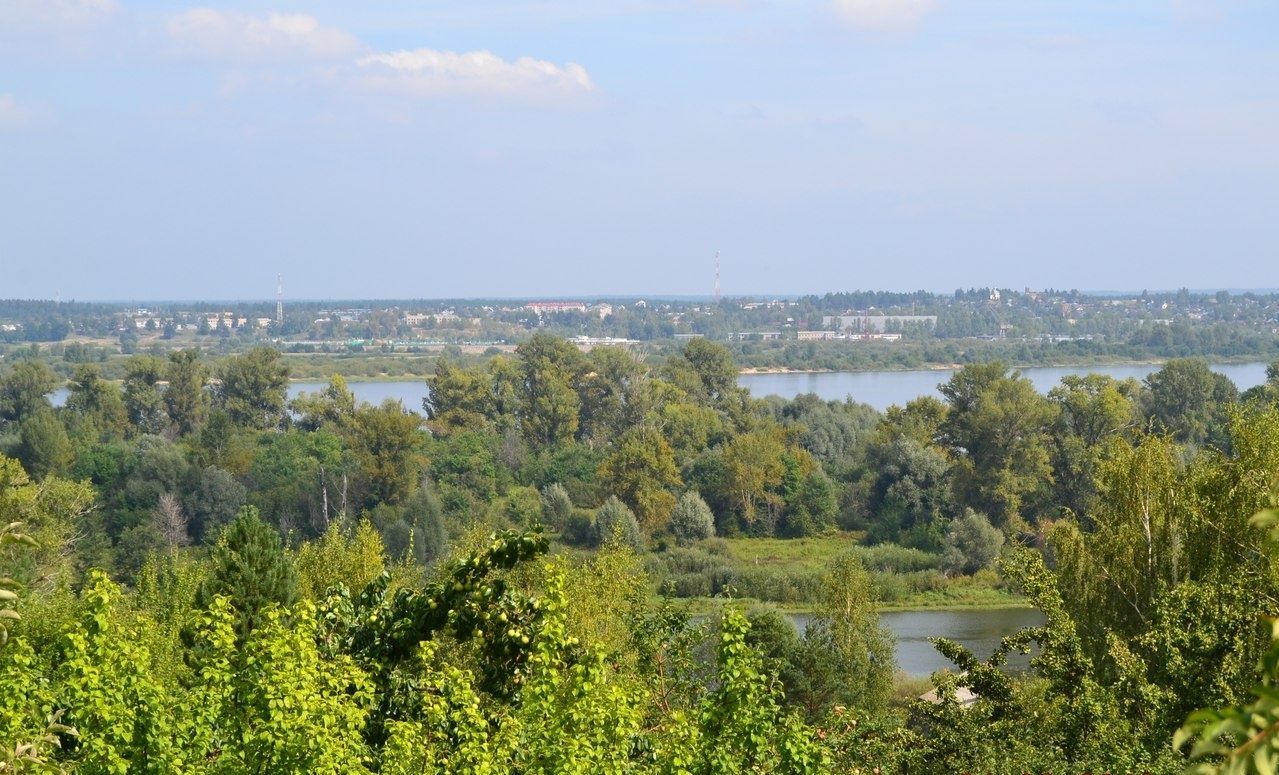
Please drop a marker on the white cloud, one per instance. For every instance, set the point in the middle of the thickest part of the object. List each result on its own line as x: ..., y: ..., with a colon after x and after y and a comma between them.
x: 883, y: 14
x: 428, y: 72
x: 297, y: 49
x: 14, y: 115
x: 205, y: 32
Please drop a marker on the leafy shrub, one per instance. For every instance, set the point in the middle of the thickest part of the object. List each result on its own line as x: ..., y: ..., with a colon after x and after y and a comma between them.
x: 579, y: 528
x: 523, y: 506
x: 614, y: 521
x: 972, y: 543
x: 690, y: 585
x: 398, y: 538
x: 352, y: 558
x: 557, y: 506
x: 692, y: 519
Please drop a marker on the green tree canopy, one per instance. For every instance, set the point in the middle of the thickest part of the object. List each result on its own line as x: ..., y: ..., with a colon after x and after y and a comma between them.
x: 185, y: 397
x: 383, y: 441
x: 972, y: 543
x: 615, y: 522
x: 95, y: 403
x: 43, y: 446
x: 997, y: 428
x: 24, y: 390
x: 458, y: 397
x: 642, y: 472
x: 1090, y: 410
x: 1188, y: 400
x: 142, y: 398
x: 332, y: 408
x: 254, y: 387
x: 550, y: 368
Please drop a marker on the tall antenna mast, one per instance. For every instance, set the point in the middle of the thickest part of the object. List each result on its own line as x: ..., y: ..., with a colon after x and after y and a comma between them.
x: 279, y: 299
x: 717, y: 278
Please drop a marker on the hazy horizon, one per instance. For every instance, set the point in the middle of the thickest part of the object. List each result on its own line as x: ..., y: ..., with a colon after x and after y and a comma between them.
x: 621, y: 297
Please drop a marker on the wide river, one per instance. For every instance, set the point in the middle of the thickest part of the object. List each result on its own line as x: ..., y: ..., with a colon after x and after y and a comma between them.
x: 880, y: 389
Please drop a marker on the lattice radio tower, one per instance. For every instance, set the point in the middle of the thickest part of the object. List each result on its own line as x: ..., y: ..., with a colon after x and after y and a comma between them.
x: 717, y: 278
x: 279, y: 300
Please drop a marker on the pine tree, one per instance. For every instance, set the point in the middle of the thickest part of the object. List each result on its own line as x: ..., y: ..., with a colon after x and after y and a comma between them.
x: 249, y: 567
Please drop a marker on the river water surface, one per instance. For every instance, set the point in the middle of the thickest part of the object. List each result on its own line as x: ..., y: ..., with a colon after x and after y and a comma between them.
x: 979, y: 630
x: 882, y: 389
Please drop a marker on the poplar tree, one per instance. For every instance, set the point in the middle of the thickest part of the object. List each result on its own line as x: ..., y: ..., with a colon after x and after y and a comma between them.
x: 185, y: 399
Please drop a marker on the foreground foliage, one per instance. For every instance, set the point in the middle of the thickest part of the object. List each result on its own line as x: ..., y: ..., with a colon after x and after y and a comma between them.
x: 219, y: 581
x: 469, y: 673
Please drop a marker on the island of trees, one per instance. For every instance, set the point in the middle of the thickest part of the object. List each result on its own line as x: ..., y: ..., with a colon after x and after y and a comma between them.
x: 548, y: 568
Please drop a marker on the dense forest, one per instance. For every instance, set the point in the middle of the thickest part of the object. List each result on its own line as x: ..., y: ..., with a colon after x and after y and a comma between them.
x: 200, y: 575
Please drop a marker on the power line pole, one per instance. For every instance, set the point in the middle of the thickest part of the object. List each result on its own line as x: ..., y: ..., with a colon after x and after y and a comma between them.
x: 279, y: 300
x: 717, y: 278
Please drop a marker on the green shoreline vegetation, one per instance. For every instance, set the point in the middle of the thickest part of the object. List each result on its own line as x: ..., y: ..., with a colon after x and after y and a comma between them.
x: 580, y: 562
x: 373, y: 368
x: 703, y: 605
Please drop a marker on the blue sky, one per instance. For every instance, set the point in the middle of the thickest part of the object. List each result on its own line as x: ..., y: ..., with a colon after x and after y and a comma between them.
x: 577, y: 147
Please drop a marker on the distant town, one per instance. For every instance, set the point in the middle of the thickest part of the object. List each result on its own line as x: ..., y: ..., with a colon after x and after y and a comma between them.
x: 830, y: 331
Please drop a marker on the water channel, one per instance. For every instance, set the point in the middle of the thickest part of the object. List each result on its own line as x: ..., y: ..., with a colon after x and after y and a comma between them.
x: 979, y: 630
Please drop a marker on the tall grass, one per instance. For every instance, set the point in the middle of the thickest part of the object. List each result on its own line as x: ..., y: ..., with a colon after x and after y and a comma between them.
x: 789, y: 572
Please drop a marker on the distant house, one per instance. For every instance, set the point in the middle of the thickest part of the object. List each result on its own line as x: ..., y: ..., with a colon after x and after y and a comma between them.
x: 880, y: 323
x: 865, y: 336
x: 809, y: 336
x: 545, y: 307
x: 419, y: 319
x: 874, y: 337
x: 586, y: 343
